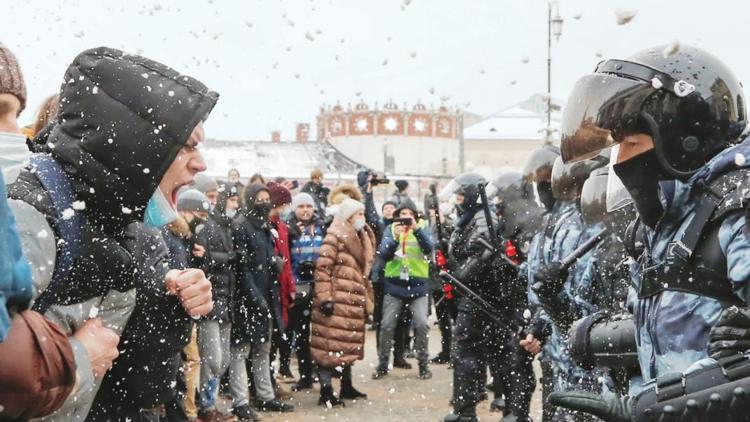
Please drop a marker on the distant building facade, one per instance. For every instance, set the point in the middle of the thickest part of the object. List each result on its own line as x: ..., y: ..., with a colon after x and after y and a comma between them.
x: 393, y: 139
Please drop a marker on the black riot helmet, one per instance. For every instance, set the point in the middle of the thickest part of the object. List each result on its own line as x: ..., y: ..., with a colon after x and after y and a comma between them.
x: 513, y: 197
x: 689, y: 102
x: 594, y: 208
x: 568, y: 179
x: 466, y: 185
x: 538, y: 170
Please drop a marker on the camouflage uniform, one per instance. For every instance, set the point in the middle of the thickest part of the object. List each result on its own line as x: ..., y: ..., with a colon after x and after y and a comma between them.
x: 673, y: 326
x: 562, y: 236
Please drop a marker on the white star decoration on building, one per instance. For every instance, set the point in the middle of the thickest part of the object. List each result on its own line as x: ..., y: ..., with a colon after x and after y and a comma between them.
x: 420, y: 125
x: 390, y: 124
x: 361, y: 125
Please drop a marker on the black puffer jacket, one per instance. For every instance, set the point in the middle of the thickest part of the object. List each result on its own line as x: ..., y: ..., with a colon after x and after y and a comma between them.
x: 122, y: 121
x: 258, y: 292
x: 220, y: 261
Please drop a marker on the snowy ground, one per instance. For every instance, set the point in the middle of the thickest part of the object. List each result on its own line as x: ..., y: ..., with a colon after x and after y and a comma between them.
x: 399, y: 397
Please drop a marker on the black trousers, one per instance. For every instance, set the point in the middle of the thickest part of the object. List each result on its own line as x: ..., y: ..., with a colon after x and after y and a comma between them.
x: 479, y: 343
x: 445, y: 310
x: 300, y: 330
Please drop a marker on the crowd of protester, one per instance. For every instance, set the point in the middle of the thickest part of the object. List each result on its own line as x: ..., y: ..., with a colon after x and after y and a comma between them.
x: 156, y: 305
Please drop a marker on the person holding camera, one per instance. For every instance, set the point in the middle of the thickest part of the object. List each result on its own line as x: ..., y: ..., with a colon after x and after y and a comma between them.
x: 257, y: 305
x: 306, y: 233
x: 406, y: 249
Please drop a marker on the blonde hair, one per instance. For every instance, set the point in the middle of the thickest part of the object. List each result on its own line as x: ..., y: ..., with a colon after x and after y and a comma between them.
x: 47, y: 112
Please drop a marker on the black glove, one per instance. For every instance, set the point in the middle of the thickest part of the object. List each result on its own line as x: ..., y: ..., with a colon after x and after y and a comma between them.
x: 731, y: 334
x: 300, y: 299
x: 327, y: 308
x: 550, y: 280
x: 613, y: 408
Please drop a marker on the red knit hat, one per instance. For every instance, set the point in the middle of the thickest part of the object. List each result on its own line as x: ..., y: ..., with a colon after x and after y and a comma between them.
x: 279, y: 194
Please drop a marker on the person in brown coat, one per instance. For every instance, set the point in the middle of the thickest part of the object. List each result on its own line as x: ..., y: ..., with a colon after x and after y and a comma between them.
x: 343, y: 298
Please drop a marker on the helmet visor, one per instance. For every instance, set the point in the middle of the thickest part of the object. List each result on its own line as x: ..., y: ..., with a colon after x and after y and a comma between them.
x: 601, y: 108
x: 594, y: 197
x: 617, y: 196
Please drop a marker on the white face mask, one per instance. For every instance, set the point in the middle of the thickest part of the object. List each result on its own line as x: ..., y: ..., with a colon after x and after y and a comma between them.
x: 359, y: 224
x: 159, y: 212
x: 230, y: 213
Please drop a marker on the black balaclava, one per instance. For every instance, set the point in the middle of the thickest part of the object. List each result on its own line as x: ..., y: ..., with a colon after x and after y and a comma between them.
x: 258, y: 211
x: 544, y: 190
x: 641, y: 175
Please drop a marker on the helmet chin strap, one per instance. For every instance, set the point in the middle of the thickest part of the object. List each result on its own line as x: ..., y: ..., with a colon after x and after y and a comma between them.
x: 659, y: 148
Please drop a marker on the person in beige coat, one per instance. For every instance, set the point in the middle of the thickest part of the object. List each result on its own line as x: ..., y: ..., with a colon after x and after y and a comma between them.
x: 343, y: 298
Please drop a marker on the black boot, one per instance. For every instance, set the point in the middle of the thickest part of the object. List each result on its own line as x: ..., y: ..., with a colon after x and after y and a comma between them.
x: 424, y: 371
x: 464, y: 416
x: 347, y: 389
x: 400, y: 362
x: 328, y: 399
x: 245, y: 413
x: 380, y: 371
x: 441, y: 358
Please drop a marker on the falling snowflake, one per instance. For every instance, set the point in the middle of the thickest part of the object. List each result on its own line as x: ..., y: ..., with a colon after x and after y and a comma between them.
x: 739, y: 159
x: 671, y: 49
x: 68, y: 213
x: 625, y: 15
x: 43, y: 234
x: 79, y: 205
x: 126, y: 210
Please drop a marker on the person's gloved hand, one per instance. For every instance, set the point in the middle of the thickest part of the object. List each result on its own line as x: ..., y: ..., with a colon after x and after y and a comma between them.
x: 327, y: 308
x: 550, y: 280
x: 612, y: 408
x: 731, y: 334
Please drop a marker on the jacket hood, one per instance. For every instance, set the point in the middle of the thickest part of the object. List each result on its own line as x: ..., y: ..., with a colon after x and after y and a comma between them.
x: 339, y: 193
x: 732, y: 158
x: 123, y: 118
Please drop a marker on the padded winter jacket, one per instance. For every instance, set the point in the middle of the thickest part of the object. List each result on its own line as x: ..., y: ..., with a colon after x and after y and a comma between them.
x: 341, y: 278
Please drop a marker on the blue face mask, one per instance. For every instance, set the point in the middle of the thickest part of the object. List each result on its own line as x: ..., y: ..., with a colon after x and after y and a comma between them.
x: 159, y: 212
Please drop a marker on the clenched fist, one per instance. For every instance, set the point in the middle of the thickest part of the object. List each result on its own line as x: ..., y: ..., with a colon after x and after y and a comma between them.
x: 192, y: 288
x: 100, y: 344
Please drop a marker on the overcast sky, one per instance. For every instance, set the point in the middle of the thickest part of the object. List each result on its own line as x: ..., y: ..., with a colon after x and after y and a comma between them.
x: 274, y: 62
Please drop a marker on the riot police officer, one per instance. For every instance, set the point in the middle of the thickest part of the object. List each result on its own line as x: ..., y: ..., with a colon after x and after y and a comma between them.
x: 520, y: 216
x: 554, y: 287
x: 678, y: 122
x: 477, y: 339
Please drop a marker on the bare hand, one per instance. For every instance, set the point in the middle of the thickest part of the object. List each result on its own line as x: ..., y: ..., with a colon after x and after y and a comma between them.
x: 531, y: 344
x: 398, y: 229
x: 288, y: 184
x: 100, y: 344
x: 199, y: 251
x: 193, y: 289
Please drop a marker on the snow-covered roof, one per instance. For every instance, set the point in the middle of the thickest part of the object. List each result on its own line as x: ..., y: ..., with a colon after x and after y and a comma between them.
x: 524, y: 120
x: 513, y: 123
x: 271, y: 159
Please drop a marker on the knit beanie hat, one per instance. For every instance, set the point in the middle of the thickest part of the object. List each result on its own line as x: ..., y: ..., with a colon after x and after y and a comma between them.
x: 401, y: 184
x: 302, y: 199
x: 389, y: 202
x: 11, y: 78
x: 193, y: 200
x: 279, y: 194
x: 205, y: 183
x: 348, y: 208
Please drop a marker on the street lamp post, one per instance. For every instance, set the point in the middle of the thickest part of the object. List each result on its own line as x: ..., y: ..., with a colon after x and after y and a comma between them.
x: 554, y: 27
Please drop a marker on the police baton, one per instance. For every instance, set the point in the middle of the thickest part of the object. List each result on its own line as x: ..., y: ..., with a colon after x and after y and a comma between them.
x: 574, y: 256
x: 484, y: 306
x: 582, y: 250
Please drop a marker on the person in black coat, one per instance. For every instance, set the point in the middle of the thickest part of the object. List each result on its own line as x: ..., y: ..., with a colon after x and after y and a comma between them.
x: 219, y: 264
x: 257, y: 306
x: 121, y: 170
